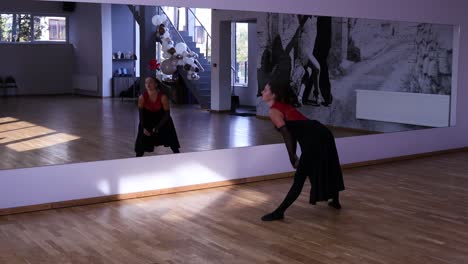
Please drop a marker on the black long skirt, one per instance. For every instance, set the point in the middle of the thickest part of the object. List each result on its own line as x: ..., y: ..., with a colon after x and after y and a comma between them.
x: 166, y: 135
x: 319, y: 159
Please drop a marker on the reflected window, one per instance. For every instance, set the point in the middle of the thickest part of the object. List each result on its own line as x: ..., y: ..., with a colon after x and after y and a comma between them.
x: 50, y: 28
x: 15, y: 27
x: 240, y: 51
x: 18, y: 27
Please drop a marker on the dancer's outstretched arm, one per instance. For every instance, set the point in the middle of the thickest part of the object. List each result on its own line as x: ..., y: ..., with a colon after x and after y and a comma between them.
x: 141, y: 103
x: 166, y: 116
x: 291, y: 143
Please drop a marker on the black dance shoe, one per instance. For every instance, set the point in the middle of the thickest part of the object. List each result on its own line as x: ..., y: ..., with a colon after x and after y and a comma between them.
x: 310, y: 102
x: 273, y: 216
x: 327, y: 103
x: 335, y: 204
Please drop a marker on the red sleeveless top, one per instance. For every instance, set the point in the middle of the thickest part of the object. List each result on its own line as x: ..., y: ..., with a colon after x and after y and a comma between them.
x: 152, y: 106
x: 290, y: 113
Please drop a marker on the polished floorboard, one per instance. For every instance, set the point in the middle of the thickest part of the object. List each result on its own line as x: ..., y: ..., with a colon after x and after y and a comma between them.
x: 403, y: 212
x: 49, y: 130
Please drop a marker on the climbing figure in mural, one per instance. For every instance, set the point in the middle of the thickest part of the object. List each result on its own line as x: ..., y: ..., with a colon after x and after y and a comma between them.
x: 277, y: 62
x: 321, y: 51
x: 307, y: 70
x: 310, y: 68
x: 310, y: 79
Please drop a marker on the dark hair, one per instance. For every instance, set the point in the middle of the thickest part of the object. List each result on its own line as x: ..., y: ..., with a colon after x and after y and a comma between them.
x: 157, y: 81
x: 279, y: 88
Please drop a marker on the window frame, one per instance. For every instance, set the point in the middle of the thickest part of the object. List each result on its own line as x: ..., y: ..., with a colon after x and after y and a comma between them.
x: 234, y: 53
x: 58, y: 26
x: 32, y: 40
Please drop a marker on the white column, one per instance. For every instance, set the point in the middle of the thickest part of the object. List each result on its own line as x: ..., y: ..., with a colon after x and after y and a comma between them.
x: 106, y: 71
x: 221, y: 74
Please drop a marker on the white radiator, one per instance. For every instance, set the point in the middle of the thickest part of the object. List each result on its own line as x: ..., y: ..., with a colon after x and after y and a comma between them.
x: 85, y: 82
x: 431, y: 110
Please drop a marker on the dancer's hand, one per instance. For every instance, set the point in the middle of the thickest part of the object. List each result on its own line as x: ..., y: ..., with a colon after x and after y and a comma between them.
x: 296, y: 162
x: 146, y: 132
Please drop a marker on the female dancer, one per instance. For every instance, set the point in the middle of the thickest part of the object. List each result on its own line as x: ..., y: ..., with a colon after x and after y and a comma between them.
x: 156, y: 127
x: 319, y: 159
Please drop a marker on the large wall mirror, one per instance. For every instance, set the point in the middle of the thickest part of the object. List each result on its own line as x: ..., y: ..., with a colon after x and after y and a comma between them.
x: 71, y: 75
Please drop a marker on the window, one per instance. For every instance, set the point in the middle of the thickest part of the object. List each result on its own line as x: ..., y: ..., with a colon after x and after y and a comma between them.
x: 6, y: 27
x: 57, y: 28
x: 240, y: 52
x: 181, y: 21
x: 199, y: 35
x: 15, y: 27
x: 47, y: 28
x: 28, y: 28
x: 171, y: 13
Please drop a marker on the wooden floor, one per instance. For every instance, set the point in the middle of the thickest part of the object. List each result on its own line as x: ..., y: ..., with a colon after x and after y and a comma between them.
x: 47, y: 130
x: 405, y: 212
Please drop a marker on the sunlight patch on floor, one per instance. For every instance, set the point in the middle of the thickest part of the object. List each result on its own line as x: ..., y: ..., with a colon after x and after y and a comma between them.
x: 15, y: 125
x: 7, y: 119
x: 24, y: 133
x: 42, y: 142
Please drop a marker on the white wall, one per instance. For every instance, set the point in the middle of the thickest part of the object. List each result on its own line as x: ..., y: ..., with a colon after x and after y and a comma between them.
x: 85, y: 35
x: 133, y: 175
x: 123, y: 36
x: 57, y: 183
x: 221, y: 74
x: 37, y: 68
x: 106, y: 51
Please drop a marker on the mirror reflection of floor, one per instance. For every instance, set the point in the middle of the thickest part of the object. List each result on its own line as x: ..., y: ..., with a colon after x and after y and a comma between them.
x: 49, y: 130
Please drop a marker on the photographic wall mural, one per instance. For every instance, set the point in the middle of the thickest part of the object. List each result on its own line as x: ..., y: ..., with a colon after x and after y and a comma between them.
x: 326, y: 61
